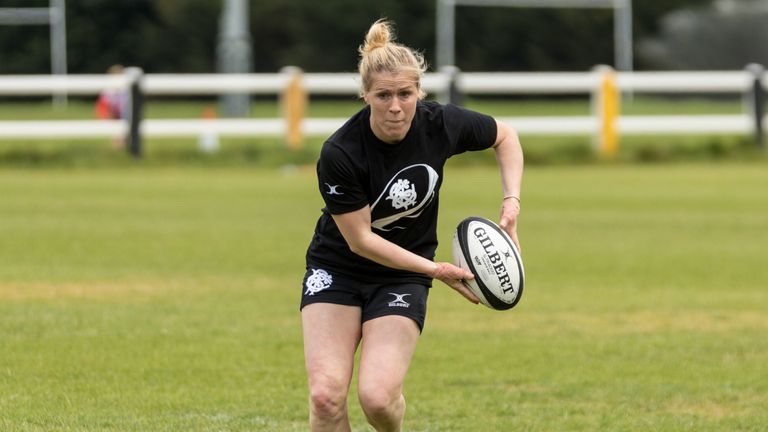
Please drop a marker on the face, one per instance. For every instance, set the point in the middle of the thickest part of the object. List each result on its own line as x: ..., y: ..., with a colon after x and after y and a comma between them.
x: 392, y: 98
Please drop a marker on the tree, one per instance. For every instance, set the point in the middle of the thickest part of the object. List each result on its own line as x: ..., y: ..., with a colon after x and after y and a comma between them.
x: 728, y: 35
x: 176, y: 36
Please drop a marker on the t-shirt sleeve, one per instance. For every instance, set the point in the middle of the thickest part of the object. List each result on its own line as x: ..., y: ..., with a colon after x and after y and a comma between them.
x: 338, y: 181
x: 468, y: 130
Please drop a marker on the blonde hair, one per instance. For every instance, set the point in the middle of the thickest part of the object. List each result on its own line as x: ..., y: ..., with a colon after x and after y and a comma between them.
x: 380, y: 53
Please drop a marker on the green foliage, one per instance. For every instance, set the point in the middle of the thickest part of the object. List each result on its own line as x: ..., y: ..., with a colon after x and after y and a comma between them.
x: 165, y: 298
x: 322, y: 36
x: 715, y: 38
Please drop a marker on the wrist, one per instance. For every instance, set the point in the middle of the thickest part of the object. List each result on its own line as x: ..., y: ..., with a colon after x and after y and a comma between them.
x: 436, y: 271
x: 512, y: 197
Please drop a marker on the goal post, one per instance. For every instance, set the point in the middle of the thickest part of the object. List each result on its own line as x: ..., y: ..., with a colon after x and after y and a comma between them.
x: 55, y: 17
x: 622, y: 12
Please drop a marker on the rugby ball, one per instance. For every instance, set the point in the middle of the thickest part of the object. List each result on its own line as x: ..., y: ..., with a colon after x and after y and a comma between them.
x: 483, y: 248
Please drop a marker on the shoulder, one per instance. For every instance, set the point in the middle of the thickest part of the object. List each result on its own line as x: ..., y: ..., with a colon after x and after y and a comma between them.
x: 464, y: 129
x: 353, y: 129
x: 431, y: 111
x: 337, y: 155
x: 345, y: 145
x: 435, y: 112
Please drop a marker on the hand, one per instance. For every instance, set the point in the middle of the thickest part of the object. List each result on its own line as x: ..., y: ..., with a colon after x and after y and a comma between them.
x: 510, y: 210
x: 454, y: 277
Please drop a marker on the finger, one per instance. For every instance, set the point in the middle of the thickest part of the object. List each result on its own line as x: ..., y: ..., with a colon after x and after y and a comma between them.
x: 516, y: 242
x: 460, y: 273
x: 503, y: 223
x: 465, y: 292
x: 512, y: 232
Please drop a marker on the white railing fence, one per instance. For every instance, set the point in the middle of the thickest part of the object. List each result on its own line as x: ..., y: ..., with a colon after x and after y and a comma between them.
x: 448, y: 84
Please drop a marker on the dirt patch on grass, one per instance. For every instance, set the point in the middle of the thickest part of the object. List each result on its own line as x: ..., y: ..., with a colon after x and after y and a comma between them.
x: 136, y: 291
x: 638, y: 322
x: 642, y: 322
x: 719, y: 320
x: 710, y: 409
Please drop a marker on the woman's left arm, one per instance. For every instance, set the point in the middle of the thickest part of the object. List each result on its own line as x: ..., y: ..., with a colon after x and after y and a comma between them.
x: 509, y: 155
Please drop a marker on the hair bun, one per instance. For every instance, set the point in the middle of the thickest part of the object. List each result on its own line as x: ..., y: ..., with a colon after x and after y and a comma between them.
x: 379, y: 35
x: 392, y: 57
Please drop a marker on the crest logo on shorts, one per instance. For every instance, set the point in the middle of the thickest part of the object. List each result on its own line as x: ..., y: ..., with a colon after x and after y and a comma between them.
x: 402, y: 194
x: 398, y: 300
x: 318, y: 281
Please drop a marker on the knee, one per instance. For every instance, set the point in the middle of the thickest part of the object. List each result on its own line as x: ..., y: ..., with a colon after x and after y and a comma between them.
x: 379, y: 403
x: 328, y: 401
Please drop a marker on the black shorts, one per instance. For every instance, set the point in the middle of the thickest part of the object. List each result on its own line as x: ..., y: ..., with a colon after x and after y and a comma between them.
x: 406, y: 299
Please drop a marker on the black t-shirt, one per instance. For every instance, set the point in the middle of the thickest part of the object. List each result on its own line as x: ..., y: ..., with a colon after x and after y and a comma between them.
x: 400, y: 182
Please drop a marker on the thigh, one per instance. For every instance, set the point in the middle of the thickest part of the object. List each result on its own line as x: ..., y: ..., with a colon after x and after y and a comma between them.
x: 321, y: 286
x: 404, y: 299
x: 331, y: 335
x: 388, y: 344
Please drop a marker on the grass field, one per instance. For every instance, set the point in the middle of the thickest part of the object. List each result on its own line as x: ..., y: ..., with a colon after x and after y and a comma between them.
x: 165, y: 298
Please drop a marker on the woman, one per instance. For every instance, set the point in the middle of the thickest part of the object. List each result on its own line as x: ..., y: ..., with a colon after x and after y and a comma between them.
x: 370, y: 262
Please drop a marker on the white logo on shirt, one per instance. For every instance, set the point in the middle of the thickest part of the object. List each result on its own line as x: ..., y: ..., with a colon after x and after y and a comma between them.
x: 402, y: 194
x: 398, y: 301
x: 333, y: 189
x: 318, y: 281
x: 406, y: 201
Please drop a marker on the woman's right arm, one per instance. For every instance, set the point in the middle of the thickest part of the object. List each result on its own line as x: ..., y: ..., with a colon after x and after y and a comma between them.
x: 355, y: 226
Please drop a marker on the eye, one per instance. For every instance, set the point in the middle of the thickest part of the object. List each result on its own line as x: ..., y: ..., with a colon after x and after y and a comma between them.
x: 405, y: 94
x: 383, y: 95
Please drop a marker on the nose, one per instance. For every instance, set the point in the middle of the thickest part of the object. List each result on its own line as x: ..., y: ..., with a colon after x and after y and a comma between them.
x: 394, y: 107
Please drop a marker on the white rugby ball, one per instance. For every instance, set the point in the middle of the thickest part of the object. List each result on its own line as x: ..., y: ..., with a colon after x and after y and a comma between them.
x: 483, y: 248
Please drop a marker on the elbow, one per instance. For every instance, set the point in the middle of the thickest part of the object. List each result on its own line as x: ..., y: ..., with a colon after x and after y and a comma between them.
x: 364, y: 248
x: 362, y: 251
x: 358, y: 247
x: 360, y: 241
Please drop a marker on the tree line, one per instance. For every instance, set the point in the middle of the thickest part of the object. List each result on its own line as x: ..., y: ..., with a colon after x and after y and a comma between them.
x: 180, y: 36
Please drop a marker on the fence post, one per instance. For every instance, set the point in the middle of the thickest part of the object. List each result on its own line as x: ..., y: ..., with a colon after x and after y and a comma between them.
x: 293, y: 103
x: 452, y: 94
x: 757, y: 101
x: 605, y: 107
x: 135, y: 110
